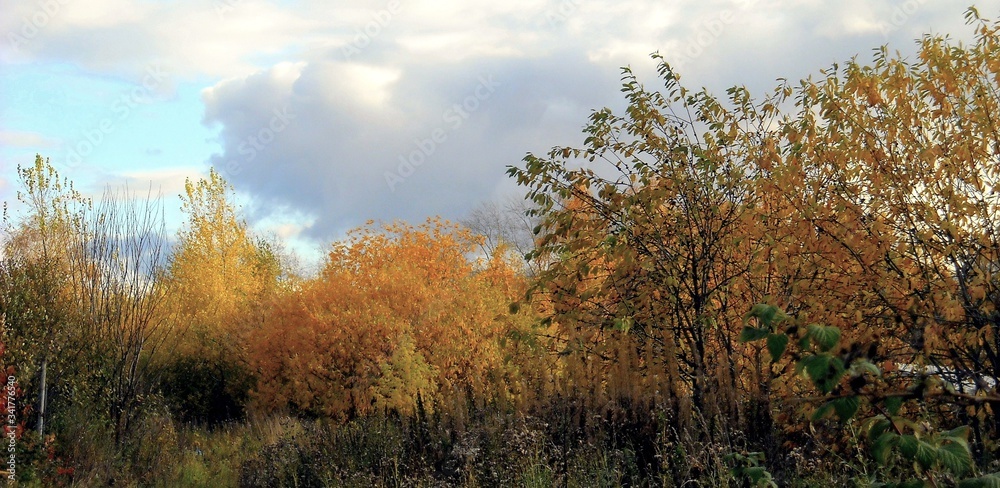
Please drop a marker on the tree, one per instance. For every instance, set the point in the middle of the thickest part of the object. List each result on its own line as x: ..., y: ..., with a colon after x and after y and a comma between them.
x: 396, y: 313
x: 37, y: 305
x: 895, y: 166
x: 870, y: 207
x: 218, y: 266
x: 221, y: 280
x: 118, y: 284
x: 504, y: 224
x: 658, y: 243
x: 81, y: 294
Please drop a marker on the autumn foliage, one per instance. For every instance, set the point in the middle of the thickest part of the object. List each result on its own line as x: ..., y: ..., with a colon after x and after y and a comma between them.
x: 396, y: 312
x: 865, y: 200
x: 746, y: 280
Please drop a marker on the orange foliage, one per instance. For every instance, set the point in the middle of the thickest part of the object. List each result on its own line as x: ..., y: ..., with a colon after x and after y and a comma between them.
x: 872, y: 209
x: 396, y: 312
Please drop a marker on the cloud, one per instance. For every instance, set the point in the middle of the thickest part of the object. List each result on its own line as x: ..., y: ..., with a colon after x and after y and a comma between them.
x: 397, y: 130
x: 323, y: 136
x: 167, y: 181
x: 25, y: 139
x: 330, y: 114
x: 121, y: 37
x: 224, y: 38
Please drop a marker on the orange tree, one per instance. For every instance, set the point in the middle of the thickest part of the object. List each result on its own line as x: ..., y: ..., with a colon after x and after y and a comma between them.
x: 397, y: 313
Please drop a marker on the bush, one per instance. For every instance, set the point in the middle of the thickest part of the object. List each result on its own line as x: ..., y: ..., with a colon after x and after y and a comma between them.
x: 206, y: 391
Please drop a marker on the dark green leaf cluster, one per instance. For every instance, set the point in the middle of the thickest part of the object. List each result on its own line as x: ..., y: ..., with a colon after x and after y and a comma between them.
x: 891, y: 437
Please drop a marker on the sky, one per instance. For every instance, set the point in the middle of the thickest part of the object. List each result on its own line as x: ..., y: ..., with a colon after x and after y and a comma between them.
x: 325, y: 114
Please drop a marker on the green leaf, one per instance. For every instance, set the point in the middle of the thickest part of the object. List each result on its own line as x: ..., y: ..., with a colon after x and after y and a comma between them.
x: 959, y: 434
x: 846, y: 407
x: 623, y: 324
x: 815, y: 366
x: 750, y: 334
x: 767, y: 314
x: 756, y: 473
x: 824, y: 370
x: 988, y: 481
x: 955, y: 457
x: 926, y: 455
x: 827, y: 384
x: 882, y: 446
x: 877, y: 426
x: 776, y: 344
x: 908, y: 445
x: 893, y: 403
x: 826, y: 337
x: 865, y: 366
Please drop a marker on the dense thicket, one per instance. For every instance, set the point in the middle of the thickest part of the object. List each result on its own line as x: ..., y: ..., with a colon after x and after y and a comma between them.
x: 861, y: 207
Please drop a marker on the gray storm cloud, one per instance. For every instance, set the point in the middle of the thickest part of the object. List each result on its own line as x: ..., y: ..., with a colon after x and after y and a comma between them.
x: 333, y: 114
x: 383, y: 136
x: 346, y: 143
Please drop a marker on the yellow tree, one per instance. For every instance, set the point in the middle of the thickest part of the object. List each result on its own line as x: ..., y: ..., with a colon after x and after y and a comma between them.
x: 894, y: 167
x: 871, y: 207
x: 220, y: 280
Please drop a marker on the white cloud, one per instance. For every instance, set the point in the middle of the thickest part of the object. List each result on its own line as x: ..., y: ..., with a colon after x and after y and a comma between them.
x: 122, y: 36
x: 25, y: 139
x: 165, y: 181
x: 372, y: 84
x: 315, y: 101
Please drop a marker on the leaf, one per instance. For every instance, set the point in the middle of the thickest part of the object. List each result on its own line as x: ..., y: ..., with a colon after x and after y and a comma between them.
x: 955, y: 457
x: 815, y: 366
x: 750, y: 334
x: 893, y: 403
x: 908, y: 445
x: 822, y: 412
x: 882, y: 446
x: 776, y: 344
x: 824, y: 370
x: 959, y: 434
x: 865, y: 366
x: 926, y: 454
x: 756, y: 473
x: 826, y: 337
x: 767, y: 314
x: 988, y: 481
x: 877, y: 426
x: 846, y: 407
x: 623, y: 324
